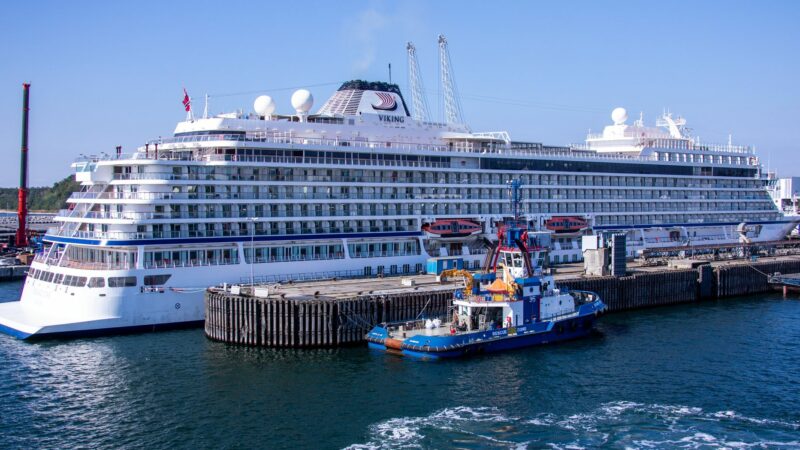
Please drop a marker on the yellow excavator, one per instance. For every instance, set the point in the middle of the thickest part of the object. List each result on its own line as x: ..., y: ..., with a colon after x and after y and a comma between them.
x: 449, y: 273
x: 468, y: 280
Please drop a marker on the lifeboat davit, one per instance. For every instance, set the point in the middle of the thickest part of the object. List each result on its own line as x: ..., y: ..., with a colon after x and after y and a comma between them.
x: 451, y: 228
x: 566, y: 224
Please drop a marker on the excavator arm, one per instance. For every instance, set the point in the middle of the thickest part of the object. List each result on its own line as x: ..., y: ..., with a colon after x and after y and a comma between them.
x: 459, y: 273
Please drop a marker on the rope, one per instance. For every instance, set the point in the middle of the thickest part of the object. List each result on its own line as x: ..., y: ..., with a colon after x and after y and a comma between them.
x: 423, y: 308
x: 354, y: 318
x: 753, y: 267
x: 187, y: 290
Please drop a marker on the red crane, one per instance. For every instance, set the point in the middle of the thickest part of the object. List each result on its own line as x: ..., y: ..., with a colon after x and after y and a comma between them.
x: 22, y: 198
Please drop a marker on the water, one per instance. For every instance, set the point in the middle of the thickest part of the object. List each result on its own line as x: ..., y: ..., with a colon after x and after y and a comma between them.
x: 715, y: 375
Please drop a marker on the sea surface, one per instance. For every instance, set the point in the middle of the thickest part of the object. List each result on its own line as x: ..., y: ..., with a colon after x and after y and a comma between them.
x: 720, y: 374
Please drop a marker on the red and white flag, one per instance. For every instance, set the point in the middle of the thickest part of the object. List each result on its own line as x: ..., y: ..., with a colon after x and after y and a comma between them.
x: 187, y: 104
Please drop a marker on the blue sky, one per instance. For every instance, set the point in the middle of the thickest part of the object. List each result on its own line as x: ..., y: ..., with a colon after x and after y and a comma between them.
x: 112, y: 73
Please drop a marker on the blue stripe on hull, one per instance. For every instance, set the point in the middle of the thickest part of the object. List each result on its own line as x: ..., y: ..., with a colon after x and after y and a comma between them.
x: 13, y: 332
x: 500, y: 345
x: 688, y: 225
x: 206, y: 240
x: 101, y: 332
x: 505, y: 343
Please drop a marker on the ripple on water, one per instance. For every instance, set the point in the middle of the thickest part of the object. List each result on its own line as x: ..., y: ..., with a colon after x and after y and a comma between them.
x: 620, y: 424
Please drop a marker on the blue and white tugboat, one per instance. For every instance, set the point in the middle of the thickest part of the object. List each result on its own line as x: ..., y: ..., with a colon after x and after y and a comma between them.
x: 513, y: 304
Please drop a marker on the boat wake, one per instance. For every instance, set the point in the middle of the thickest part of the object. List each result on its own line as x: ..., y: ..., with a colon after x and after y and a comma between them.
x: 616, y: 424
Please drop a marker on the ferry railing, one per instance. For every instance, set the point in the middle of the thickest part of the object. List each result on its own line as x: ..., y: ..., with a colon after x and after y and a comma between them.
x: 757, y: 192
x: 673, y: 144
x: 290, y: 141
x: 323, y: 275
x: 170, y: 264
x: 291, y: 258
x: 384, y: 210
x: 133, y: 235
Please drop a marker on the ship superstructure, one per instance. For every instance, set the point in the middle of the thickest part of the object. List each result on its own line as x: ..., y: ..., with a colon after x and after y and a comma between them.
x: 359, y: 186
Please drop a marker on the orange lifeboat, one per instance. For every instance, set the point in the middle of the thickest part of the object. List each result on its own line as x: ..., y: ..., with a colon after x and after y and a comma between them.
x: 452, y: 228
x: 566, y: 224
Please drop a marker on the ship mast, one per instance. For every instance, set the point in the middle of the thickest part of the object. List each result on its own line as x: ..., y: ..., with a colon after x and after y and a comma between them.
x: 418, y: 102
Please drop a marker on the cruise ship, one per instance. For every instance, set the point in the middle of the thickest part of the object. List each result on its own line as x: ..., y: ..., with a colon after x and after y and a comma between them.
x: 363, y: 186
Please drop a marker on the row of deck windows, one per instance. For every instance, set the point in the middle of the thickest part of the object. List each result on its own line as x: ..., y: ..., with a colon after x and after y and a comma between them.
x: 94, y: 282
x: 381, y: 249
x: 227, y: 173
x: 253, y: 192
x: 311, y: 210
x: 265, y: 254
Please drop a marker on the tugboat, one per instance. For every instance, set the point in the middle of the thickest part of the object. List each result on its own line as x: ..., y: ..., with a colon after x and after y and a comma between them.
x: 513, y: 304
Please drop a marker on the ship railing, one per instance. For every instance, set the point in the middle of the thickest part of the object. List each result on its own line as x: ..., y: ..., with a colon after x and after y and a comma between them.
x: 318, y: 276
x: 291, y: 258
x: 89, y: 265
x: 133, y: 235
x: 310, y: 214
x: 577, y: 151
x: 290, y: 141
x: 668, y: 143
x: 45, y: 258
x: 56, y: 260
x: 172, y: 264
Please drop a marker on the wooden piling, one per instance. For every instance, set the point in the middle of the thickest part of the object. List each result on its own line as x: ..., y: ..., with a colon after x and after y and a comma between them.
x: 330, y: 322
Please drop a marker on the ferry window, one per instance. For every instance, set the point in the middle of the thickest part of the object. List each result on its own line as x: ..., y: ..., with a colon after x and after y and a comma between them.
x: 97, y: 282
x: 156, y: 280
x: 121, y: 281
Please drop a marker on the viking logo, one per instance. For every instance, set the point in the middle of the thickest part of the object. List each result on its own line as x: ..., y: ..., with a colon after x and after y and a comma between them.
x: 387, y: 102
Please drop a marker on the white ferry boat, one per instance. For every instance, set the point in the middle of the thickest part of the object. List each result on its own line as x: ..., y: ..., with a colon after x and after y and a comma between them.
x: 352, y: 189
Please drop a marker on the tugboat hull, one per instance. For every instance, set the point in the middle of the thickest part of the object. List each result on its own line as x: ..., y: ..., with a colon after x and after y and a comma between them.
x: 467, y: 344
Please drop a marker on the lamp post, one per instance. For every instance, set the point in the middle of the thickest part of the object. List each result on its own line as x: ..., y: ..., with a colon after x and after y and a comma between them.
x: 252, y: 248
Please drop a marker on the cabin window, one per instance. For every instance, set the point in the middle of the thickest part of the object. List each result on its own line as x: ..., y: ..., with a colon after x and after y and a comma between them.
x: 156, y: 280
x: 121, y: 281
x: 97, y: 282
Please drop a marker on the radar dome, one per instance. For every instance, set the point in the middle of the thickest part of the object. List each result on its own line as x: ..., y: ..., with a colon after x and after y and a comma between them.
x: 302, y: 101
x: 264, y: 105
x: 619, y: 116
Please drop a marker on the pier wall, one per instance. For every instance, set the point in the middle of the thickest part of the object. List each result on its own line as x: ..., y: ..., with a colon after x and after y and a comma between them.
x: 11, y: 273
x: 277, y: 322
x: 641, y: 290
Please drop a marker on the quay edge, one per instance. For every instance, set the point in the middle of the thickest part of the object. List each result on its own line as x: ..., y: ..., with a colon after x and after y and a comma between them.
x: 331, y: 322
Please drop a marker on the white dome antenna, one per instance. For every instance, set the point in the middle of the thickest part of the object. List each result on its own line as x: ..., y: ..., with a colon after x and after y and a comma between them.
x: 302, y: 101
x: 264, y: 106
x: 619, y: 116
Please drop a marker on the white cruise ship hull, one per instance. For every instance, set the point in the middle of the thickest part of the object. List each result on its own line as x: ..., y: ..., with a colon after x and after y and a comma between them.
x: 53, y: 310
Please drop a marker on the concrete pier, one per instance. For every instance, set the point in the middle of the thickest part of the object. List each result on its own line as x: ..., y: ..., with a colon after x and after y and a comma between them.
x: 340, y: 312
x: 321, y: 314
